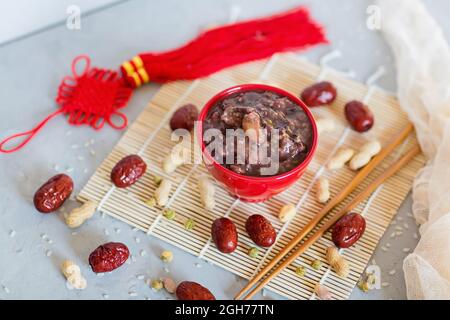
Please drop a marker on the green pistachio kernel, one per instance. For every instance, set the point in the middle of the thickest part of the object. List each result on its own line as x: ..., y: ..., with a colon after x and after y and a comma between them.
x: 151, y: 202
x: 364, y: 286
x: 300, y: 271
x: 316, y: 264
x: 169, y: 214
x: 157, y: 180
x: 157, y: 285
x: 189, y: 225
x: 253, y: 252
x: 166, y: 256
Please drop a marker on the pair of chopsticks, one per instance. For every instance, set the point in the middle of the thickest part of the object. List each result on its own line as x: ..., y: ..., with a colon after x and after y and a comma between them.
x: 264, y: 277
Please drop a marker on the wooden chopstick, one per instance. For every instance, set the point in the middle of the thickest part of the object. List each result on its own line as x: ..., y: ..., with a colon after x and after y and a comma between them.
x: 360, y: 176
x: 360, y: 197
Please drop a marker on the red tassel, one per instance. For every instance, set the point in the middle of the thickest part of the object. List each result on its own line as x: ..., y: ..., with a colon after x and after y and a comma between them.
x: 226, y: 46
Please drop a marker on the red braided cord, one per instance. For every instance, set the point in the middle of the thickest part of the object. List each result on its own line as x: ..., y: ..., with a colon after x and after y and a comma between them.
x: 91, y: 97
x: 30, y: 134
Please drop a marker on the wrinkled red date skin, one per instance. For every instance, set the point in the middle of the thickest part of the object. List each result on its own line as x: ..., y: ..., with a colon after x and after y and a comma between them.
x: 224, y: 235
x: 359, y: 116
x: 260, y: 230
x: 347, y: 231
x: 184, y: 117
x: 52, y: 194
x: 128, y: 170
x: 188, y: 290
x: 319, y: 94
x: 108, y: 257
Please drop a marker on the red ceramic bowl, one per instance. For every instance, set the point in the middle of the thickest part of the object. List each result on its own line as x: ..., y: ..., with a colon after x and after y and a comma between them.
x: 249, y: 188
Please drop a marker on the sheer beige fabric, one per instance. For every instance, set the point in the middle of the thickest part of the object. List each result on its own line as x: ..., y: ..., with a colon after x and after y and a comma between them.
x: 423, y: 69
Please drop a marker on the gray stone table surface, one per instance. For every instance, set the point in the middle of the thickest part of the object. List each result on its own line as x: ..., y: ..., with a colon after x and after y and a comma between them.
x: 32, y: 245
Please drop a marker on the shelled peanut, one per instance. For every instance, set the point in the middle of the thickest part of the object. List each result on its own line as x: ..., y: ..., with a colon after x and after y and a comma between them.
x: 365, y: 154
x: 207, y: 190
x: 73, y: 275
x: 322, y: 190
x: 341, y: 157
x: 162, y: 193
x: 337, y: 262
x: 79, y: 215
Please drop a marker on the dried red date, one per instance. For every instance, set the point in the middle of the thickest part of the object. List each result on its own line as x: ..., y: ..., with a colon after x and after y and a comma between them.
x: 188, y: 290
x: 224, y: 235
x: 184, y: 117
x: 359, y: 116
x: 52, y: 194
x: 348, y: 230
x: 108, y: 257
x: 127, y: 171
x: 260, y: 230
x: 319, y: 94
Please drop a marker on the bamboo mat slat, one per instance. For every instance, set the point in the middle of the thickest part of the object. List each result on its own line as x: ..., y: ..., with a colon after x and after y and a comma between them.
x: 149, y: 136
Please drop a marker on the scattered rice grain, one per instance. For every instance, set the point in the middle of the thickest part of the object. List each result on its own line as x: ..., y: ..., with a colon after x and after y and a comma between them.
x: 132, y: 294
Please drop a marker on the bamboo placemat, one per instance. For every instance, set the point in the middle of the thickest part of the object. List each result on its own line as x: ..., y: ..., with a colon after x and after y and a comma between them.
x: 149, y: 136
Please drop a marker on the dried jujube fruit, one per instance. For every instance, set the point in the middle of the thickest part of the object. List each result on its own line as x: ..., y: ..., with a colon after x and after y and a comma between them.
x: 359, y: 116
x: 224, y: 235
x: 184, y: 117
x: 188, y: 290
x: 128, y: 170
x: 53, y: 193
x: 319, y: 94
x: 348, y: 230
x: 260, y: 230
x: 108, y: 257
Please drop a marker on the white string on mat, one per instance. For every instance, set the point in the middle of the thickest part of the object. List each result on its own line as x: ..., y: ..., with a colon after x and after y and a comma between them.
x: 172, y: 198
x: 371, y: 82
x: 333, y: 55
x: 268, y: 68
x: 152, y: 136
